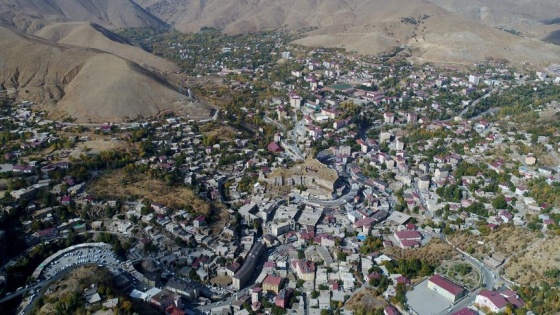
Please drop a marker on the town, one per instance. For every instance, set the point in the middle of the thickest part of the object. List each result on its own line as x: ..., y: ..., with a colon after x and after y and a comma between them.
x: 323, y: 183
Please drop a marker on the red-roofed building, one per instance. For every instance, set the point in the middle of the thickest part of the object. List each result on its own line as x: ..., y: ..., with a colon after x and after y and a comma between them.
x: 305, y: 269
x: 408, y: 238
x: 465, y: 311
x: 404, y: 280
x: 497, y: 301
x: 199, y: 221
x: 283, y: 298
x: 446, y: 288
x: 47, y: 234
x: 272, y: 283
x: 274, y: 147
x: 232, y: 269
x: 174, y: 310
x: 391, y: 310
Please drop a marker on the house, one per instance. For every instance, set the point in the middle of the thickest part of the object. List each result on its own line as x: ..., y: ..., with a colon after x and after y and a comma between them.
x: 47, y: 234
x: 389, y: 118
x: 305, y: 269
x: 446, y: 288
x: 199, y: 222
x: 162, y: 300
x: 66, y: 200
x: 174, y: 310
x: 391, y: 310
x: 272, y: 283
x: 498, y: 301
x: 283, y: 298
x: 424, y: 182
x: 408, y: 238
x: 275, y: 148
x: 465, y: 311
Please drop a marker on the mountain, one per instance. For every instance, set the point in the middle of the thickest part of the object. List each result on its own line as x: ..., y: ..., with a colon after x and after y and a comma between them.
x: 86, y: 84
x: 90, y: 35
x: 539, y: 19
x: 31, y: 15
x: 433, y: 33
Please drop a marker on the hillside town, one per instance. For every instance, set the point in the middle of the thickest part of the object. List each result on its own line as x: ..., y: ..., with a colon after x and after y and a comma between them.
x: 302, y: 199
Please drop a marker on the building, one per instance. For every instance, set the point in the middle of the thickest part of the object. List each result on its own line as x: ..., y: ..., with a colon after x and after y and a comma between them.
x: 47, y: 234
x: 256, y: 294
x: 465, y: 311
x: 283, y: 298
x: 275, y: 148
x: 272, y: 283
x: 408, y: 239
x: 391, y: 310
x: 162, y: 300
x: 295, y: 101
x: 446, y: 288
x: 277, y: 229
x: 424, y: 182
x: 182, y: 288
x: 305, y: 269
x: 389, y: 118
x: 498, y: 301
x: 244, y: 274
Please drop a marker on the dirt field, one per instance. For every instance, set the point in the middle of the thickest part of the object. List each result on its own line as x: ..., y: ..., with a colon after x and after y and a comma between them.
x: 528, y: 267
x: 221, y: 280
x: 365, y: 299
x: 76, y: 281
x: 111, y: 186
x: 504, y: 241
x: 219, y: 132
x: 435, y: 252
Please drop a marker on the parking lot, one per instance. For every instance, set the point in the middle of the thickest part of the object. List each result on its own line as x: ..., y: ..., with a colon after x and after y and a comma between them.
x: 80, y: 256
x: 425, y: 301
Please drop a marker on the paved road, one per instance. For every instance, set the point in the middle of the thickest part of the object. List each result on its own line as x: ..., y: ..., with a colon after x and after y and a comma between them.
x: 489, y: 279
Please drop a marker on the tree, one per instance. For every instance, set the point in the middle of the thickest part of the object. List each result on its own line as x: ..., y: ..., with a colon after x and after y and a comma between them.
x: 341, y: 256
x: 126, y: 306
x: 499, y: 202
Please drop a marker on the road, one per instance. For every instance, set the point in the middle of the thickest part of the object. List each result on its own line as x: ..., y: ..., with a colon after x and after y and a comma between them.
x: 43, y: 285
x: 464, y: 111
x: 489, y: 279
x: 277, y: 124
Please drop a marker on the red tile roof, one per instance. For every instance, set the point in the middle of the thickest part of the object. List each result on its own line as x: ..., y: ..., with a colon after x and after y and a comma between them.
x: 465, y: 311
x: 407, y: 235
x: 272, y: 280
x: 445, y: 284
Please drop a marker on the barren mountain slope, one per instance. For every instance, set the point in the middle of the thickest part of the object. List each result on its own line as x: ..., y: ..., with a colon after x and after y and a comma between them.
x: 30, y: 15
x: 90, y: 35
x: 533, y: 18
x: 368, y: 26
x: 83, y: 83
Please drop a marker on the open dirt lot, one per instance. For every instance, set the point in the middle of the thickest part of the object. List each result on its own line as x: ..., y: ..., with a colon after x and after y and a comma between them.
x: 504, y: 241
x: 528, y: 267
x: 365, y: 299
x: 111, y: 186
x: 435, y: 252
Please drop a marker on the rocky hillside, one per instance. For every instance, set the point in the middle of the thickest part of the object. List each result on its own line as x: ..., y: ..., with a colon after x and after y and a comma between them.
x: 539, y: 19
x: 89, y: 35
x: 367, y: 26
x: 86, y: 84
x: 31, y: 15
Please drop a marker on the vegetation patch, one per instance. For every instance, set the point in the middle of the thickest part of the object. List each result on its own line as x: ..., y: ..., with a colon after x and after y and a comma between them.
x: 117, y: 185
x: 537, y: 264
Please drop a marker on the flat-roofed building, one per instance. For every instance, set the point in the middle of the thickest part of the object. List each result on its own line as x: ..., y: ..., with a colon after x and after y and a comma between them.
x: 244, y: 274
